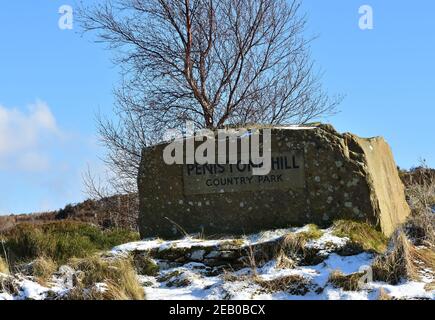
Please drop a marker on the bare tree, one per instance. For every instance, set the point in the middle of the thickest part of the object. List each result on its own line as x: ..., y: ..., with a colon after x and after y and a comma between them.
x: 212, y: 62
x: 109, y: 206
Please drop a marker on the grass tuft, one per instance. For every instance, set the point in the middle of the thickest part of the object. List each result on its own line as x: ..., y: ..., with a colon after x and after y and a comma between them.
x: 4, y: 267
x: 362, y: 234
x: 293, y: 251
x: 430, y: 286
x: 312, y: 233
x: 346, y: 282
x: 8, y: 285
x: 119, y: 278
x: 42, y: 269
x: 293, y: 284
x: 61, y: 241
x: 426, y: 257
x: 420, y: 191
x: 398, y: 263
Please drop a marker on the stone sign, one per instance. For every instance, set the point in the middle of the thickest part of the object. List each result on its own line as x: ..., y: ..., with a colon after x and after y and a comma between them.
x: 317, y: 176
x: 287, y: 173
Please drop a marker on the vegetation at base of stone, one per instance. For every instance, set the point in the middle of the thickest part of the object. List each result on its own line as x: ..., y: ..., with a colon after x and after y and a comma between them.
x: 293, y: 284
x: 346, y: 282
x: 233, y: 243
x: 61, y: 241
x: 118, y: 277
x: 169, y: 275
x: 175, y: 278
x: 361, y: 233
x: 145, y: 265
x: 292, y: 250
x: 4, y: 268
x: 412, y: 247
x: 312, y: 233
x: 398, y: 263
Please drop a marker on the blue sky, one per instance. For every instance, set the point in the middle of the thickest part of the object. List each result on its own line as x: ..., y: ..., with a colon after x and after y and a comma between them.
x: 52, y: 82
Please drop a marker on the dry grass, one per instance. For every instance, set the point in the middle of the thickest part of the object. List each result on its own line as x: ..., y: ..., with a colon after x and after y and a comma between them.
x: 4, y: 267
x: 346, y: 282
x: 293, y: 251
x: 430, y: 286
x: 384, y: 296
x: 398, y: 263
x: 110, y: 291
x: 362, y: 234
x: 421, y: 225
x: 229, y: 276
x: 42, y: 269
x: 118, y: 275
x: 293, y: 284
x: 420, y: 191
x: 285, y: 262
x: 8, y: 284
x: 403, y: 260
x: 413, y: 247
x: 292, y: 246
x: 426, y: 256
x: 80, y: 294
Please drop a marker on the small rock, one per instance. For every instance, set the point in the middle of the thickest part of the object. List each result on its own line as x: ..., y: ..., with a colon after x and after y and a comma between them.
x: 197, y: 255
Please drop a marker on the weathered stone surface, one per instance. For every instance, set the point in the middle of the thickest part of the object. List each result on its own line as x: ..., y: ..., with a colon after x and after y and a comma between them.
x: 326, y: 176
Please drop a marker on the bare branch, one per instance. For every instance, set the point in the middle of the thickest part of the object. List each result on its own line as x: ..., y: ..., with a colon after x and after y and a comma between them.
x: 211, y: 62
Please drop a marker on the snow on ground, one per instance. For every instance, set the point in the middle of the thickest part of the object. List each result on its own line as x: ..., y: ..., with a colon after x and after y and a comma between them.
x: 216, y: 288
x: 161, y: 245
x: 189, y: 242
x: 193, y: 281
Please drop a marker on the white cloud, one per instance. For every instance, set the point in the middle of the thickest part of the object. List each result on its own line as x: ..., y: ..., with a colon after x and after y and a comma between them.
x: 33, y: 161
x: 23, y: 134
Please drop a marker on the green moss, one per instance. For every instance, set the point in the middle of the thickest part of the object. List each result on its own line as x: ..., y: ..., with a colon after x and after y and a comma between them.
x: 312, y: 233
x: 168, y: 276
x: 145, y: 265
x: 361, y: 233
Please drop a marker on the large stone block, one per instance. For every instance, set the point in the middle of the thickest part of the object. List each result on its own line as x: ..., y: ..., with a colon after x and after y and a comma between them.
x: 318, y: 176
